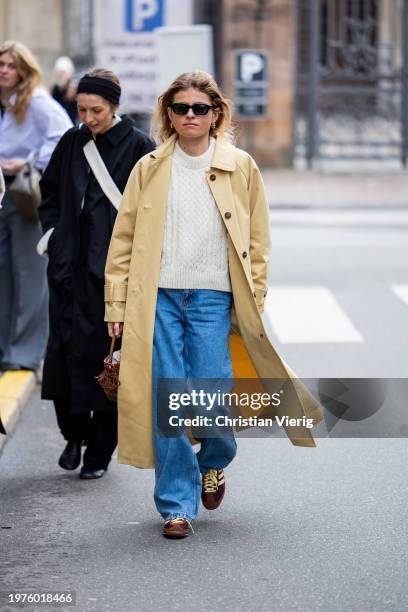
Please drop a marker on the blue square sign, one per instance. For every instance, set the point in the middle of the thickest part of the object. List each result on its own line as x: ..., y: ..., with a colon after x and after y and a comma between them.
x: 144, y: 15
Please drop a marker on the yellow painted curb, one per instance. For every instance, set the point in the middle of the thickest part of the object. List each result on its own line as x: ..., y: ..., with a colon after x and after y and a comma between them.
x: 15, y: 391
x: 9, y: 412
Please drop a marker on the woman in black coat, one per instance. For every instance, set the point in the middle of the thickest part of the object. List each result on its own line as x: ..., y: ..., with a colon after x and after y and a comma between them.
x: 83, y: 218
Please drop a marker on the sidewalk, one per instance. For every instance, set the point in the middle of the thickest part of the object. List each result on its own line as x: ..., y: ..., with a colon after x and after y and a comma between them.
x: 312, y: 189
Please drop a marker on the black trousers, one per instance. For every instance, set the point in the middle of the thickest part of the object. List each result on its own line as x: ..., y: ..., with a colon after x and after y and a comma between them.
x: 99, y: 430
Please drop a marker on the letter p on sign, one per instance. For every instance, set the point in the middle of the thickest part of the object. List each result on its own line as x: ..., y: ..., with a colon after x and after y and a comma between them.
x: 143, y: 15
x: 252, y: 64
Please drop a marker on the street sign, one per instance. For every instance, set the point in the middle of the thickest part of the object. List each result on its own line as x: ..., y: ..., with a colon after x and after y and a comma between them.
x: 251, y: 83
x: 182, y: 49
x: 143, y: 15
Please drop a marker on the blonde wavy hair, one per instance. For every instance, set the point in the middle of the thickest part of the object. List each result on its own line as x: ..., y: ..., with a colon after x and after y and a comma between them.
x: 161, y: 127
x: 29, y: 72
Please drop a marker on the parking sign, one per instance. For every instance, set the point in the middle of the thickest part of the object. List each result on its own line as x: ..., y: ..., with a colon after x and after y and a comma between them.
x: 251, y: 83
x: 143, y: 15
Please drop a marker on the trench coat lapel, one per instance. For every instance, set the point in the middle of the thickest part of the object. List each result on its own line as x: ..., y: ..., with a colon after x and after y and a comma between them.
x: 160, y: 169
x: 219, y: 181
x: 224, y: 198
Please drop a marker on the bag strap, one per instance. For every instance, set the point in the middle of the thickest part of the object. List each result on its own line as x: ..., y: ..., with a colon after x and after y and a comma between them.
x: 101, y: 174
x: 112, y: 347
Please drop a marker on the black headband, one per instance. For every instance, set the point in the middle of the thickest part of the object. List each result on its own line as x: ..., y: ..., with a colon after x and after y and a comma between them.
x: 101, y: 87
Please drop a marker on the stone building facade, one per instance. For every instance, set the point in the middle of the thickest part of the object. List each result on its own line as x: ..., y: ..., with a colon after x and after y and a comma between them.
x: 358, y: 44
x: 267, y: 25
x: 50, y: 28
x: 55, y: 27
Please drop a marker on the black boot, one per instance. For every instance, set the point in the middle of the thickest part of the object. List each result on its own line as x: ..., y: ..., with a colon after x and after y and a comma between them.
x: 71, y: 457
x: 89, y: 473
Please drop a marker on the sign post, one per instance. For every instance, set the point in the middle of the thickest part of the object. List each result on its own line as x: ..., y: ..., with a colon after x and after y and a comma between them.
x: 251, y: 83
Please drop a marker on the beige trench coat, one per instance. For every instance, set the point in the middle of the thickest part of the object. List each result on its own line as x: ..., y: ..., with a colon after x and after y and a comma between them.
x: 132, y: 273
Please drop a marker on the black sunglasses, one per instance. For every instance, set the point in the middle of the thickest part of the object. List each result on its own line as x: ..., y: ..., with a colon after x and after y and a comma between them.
x: 200, y: 108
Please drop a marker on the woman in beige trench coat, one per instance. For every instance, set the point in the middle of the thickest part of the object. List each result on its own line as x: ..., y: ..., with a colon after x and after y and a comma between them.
x: 196, y: 166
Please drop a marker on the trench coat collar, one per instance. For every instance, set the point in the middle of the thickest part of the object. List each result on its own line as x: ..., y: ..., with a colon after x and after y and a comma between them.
x: 224, y: 156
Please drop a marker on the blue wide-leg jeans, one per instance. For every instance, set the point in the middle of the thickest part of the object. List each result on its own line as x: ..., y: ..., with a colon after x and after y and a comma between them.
x: 190, y: 342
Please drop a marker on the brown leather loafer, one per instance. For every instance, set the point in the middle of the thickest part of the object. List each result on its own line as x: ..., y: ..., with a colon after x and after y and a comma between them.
x: 177, y: 528
x: 213, y: 488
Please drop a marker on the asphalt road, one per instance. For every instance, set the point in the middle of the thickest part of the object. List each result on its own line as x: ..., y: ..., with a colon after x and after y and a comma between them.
x: 359, y: 257
x: 299, y: 530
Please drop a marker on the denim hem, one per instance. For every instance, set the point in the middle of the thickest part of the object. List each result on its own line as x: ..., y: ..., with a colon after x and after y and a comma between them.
x: 176, y: 516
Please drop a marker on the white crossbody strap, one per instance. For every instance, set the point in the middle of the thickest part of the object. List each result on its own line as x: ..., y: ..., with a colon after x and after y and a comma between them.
x: 101, y: 174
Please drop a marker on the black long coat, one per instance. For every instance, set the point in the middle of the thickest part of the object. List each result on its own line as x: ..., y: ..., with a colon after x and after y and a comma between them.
x: 75, y: 205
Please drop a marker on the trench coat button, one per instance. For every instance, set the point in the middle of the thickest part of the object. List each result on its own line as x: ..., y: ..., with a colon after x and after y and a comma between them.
x: 212, y: 177
x: 227, y: 215
x: 244, y: 254
x: 261, y: 335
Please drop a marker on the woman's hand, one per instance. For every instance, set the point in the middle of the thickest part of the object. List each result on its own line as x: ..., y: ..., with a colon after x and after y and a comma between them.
x: 12, y: 166
x: 115, y: 329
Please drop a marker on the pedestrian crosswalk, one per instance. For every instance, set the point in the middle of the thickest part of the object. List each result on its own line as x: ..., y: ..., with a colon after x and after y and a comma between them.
x: 312, y: 314
x: 401, y: 291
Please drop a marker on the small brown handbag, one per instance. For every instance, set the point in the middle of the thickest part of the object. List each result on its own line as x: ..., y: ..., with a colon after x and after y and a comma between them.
x: 109, y: 378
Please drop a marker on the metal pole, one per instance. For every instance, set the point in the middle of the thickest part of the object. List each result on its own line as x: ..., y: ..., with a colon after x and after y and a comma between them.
x: 313, y: 83
x: 91, y: 32
x: 404, y: 105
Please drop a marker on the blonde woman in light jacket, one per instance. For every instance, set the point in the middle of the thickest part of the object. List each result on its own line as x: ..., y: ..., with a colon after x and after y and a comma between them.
x: 31, y: 124
x: 175, y: 317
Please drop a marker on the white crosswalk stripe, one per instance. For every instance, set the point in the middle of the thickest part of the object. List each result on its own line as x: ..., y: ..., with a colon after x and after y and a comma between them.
x: 338, y: 218
x: 401, y: 291
x: 307, y: 315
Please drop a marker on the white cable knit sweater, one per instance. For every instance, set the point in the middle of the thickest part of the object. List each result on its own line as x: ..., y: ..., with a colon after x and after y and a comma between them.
x: 194, y: 252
